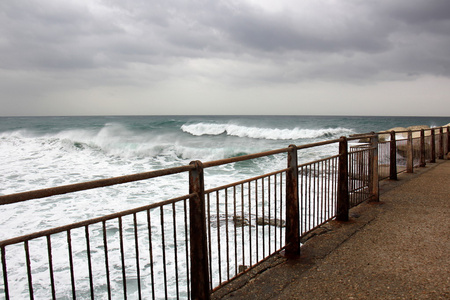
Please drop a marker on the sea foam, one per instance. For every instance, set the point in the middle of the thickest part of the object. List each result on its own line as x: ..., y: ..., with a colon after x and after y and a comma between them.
x: 200, y: 129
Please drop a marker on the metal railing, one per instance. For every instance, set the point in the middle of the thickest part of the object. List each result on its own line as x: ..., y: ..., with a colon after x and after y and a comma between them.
x: 188, y: 246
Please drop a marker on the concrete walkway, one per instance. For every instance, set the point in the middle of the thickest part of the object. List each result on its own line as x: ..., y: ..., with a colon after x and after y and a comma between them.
x: 398, y: 248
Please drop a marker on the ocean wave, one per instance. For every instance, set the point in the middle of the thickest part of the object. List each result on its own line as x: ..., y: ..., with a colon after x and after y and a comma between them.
x: 201, y: 129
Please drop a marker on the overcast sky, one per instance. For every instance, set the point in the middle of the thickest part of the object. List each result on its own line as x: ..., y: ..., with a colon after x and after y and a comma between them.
x: 146, y: 57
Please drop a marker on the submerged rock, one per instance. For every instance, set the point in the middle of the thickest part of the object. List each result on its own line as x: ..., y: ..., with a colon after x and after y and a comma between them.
x: 240, y: 221
x: 273, y: 222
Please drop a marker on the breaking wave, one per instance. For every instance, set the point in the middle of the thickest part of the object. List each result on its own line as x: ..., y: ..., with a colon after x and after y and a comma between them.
x: 201, y: 129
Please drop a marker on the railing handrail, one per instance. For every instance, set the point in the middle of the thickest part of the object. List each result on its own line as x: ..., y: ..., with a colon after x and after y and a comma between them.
x: 82, y: 186
x: 83, y: 223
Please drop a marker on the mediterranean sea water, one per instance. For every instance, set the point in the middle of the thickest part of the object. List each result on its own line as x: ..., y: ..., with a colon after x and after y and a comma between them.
x: 43, y: 152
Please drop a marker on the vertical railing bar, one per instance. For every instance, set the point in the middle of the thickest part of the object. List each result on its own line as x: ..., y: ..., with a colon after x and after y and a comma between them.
x: 219, y: 256
x: 322, y: 210
x: 50, y: 266
x: 351, y: 181
x: 322, y: 190
x: 236, y: 270
x: 329, y: 188
x: 30, y: 278
x: 393, y: 157
x: 256, y: 221
x: 336, y: 181
x: 105, y: 247
x: 366, y: 156
x: 275, y: 186
x: 320, y: 185
x: 186, y: 239
x: 448, y: 140
x: 208, y: 205
x: 136, y: 246
x: 281, y: 208
x: 410, y: 155
x: 175, y: 249
x: 263, y: 218
x: 326, y: 182
x: 72, y: 274
x: 163, y: 242
x: 242, y: 228
x: 360, y: 180
x: 88, y: 249
x: 433, y: 146
x: 269, y: 191
x: 150, y: 250
x: 374, y: 192
x: 122, y: 257
x: 5, y: 273
x: 368, y: 176
x: 227, y: 236
x: 358, y: 171
x: 302, y: 202
x: 250, y: 221
x: 317, y: 193
x: 332, y: 184
x: 310, y: 204
x: 314, y: 194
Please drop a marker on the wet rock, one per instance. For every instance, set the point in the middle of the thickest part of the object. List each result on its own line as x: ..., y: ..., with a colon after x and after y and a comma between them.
x: 240, y: 221
x: 272, y: 221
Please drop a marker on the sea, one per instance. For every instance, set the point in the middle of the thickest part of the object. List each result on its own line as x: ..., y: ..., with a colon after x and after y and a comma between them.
x: 44, y: 152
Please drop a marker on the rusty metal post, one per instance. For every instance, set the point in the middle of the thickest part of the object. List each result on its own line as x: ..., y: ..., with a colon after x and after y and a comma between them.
x: 292, y: 206
x: 393, y: 157
x: 409, y: 154
x: 422, y: 149
x: 448, y: 141
x: 198, y: 241
x: 433, y: 146
x: 441, y: 143
x: 373, y: 168
x: 343, y: 199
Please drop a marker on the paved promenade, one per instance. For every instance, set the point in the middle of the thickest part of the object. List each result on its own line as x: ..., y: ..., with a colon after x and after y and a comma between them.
x: 398, y: 248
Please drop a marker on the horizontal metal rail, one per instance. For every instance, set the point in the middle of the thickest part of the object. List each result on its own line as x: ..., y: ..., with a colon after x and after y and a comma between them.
x: 60, y: 190
x: 90, y: 221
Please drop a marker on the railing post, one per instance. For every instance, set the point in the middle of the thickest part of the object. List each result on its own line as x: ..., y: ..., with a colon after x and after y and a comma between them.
x: 409, y: 154
x: 448, y: 142
x: 422, y: 149
x: 373, y: 168
x: 343, y: 201
x: 198, y: 242
x: 292, y: 206
x: 441, y: 143
x: 393, y: 157
x: 433, y: 146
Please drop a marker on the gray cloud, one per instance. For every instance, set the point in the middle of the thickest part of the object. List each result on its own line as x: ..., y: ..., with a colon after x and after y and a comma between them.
x: 104, y: 43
